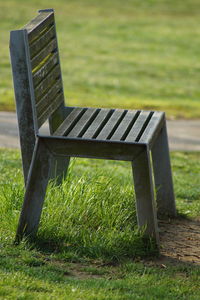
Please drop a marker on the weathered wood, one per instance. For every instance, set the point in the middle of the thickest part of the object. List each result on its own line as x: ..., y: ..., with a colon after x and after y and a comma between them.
x: 35, y: 191
x: 70, y: 121
x: 44, y: 53
x: 47, y: 82
x: 50, y: 109
x: 42, y: 41
x: 138, y: 126
x: 48, y: 97
x: 163, y: 175
x: 83, y: 123
x: 23, y: 98
x: 153, y: 128
x: 97, y: 124
x: 92, y: 148
x: 111, y: 124
x: 39, y: 24
x: 45, y: 69
x: 146, y: 211
x: 59, y: 167
x: 125, y: 126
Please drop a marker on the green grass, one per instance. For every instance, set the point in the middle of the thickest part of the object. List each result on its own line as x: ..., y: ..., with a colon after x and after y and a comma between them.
x: 130, y: 54
x: 88, y: 245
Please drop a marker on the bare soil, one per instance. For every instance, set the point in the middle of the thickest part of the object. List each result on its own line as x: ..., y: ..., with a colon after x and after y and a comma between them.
x: 180, y: 242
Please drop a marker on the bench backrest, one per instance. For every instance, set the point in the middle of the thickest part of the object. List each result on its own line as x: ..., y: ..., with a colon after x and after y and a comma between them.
x: 36, y: 68
x: 37, y: 80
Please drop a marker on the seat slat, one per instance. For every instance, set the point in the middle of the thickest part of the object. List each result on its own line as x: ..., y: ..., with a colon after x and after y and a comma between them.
x: 138, y: 126
x: 152, y: 127
x: 97, y: 124
x: 111, y: 125
x: 42, y: 41
x: 39, y: 75
x: 69, y: 121
x: 47, y: 50
x: 50, y: 109
x: 38, y: 25
x: 124, y: 126
x: 47, y: 82
x: 82, y: 125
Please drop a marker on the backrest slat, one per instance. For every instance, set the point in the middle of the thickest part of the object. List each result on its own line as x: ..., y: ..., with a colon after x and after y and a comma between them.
x: 41, y: 42
x: 39, y: 24
x: 46, y: 100
x: 50, y: 109
x: 40, y: 74
x: 44, y: 53
x: 47, y: 83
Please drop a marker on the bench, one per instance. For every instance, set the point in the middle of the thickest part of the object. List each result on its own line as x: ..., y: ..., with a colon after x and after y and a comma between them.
x: 118, y: 134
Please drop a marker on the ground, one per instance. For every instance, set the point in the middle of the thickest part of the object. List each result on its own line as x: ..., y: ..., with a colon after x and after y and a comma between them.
x: 180, y: 240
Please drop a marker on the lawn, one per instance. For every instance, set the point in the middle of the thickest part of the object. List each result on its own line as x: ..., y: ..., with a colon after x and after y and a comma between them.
x: 88, y: 245
x: 130, y: 54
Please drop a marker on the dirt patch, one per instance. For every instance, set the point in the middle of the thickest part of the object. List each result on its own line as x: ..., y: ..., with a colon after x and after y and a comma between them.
x: 180, y: 240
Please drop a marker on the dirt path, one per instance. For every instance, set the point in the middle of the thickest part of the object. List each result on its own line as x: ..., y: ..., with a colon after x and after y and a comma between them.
x: 183, y: 135
x: 180, y: 241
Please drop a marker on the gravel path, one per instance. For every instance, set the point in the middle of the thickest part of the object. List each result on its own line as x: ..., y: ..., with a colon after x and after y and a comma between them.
x: 183, y: 135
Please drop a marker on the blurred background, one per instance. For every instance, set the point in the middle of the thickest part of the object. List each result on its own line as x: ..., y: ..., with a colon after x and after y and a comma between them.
x: 114, y: 53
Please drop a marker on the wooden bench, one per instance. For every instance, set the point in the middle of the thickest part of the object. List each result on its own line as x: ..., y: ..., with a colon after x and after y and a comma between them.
x: 117, y: 134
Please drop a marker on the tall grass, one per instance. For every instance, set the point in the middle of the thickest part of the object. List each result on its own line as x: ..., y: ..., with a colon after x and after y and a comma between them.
x: 91, y: 214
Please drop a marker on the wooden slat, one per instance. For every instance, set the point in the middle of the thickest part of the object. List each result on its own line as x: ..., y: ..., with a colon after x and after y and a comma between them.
x: 48, y: 49
x: 153, y: 125
x: 97, y: 124
x: 138, y: 126
x: 50, y: 109
x: 111, y: 125
x: 47, y: 82
x: 82, y: 125
x: 48, y: 97
x: 42, y: 41
x: 37, y: 25
x: 69, y: 121
x: 45, y: 69
x: 124, y: 126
